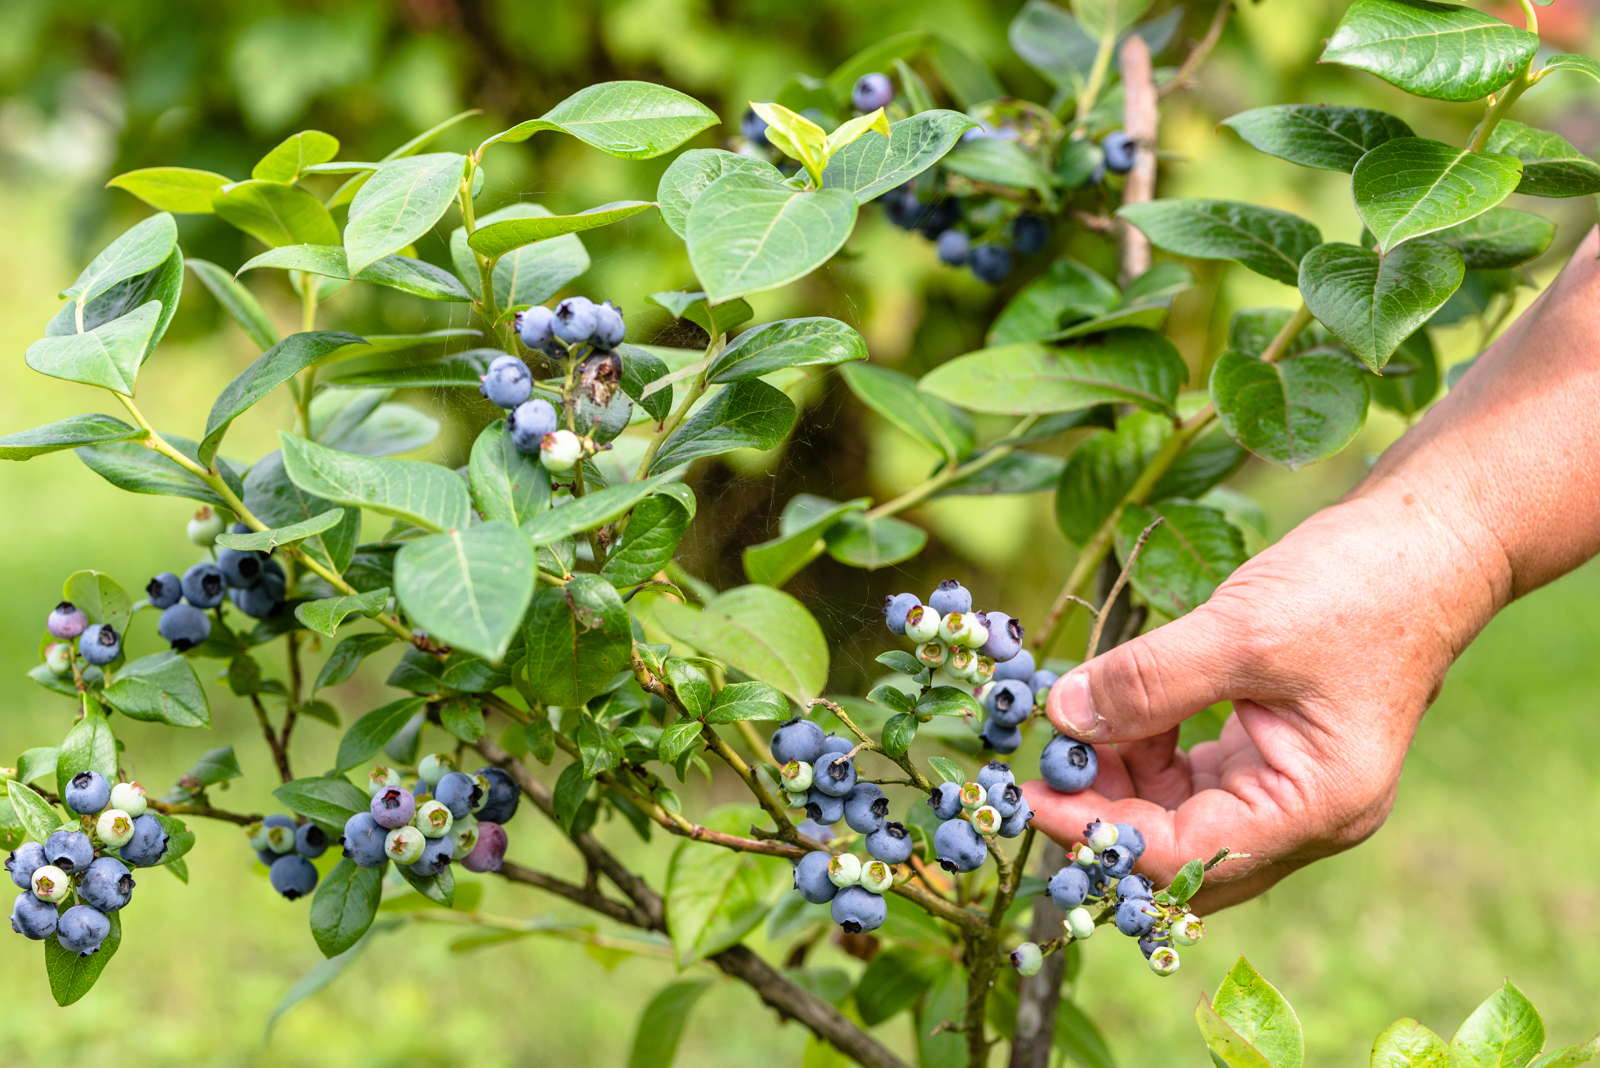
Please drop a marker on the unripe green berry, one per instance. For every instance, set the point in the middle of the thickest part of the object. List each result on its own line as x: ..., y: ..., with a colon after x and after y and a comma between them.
x: 114, y: 827
x: 1083, y: 856
x: 983, y: 671
x: 432, y: 819
x: 1079, y: 924
x: 844, y: 870
x: 1102, y: 835
x: 1164, y: 961
x: 465, y: 835
x: 380, y: 778
x: 932, y: 654
x: 922, y: 624
x: 877, y: 876
x: 953, y: 628
x: 560, y: 451
x: 403, y: 845
x: 1027, y: 959
x: 797, y: 776
x: 258, y: 836
x: 280, y: 839
x: 987, y: 819
x: 961, y: 663
x: 973, y: 796
x: 204, y: 528
x: 976, y: 631
x: 130, y: 798
x: 435, y: 766
x: 51, y: 884
x: 1188, y: 929
x: 58, y: 659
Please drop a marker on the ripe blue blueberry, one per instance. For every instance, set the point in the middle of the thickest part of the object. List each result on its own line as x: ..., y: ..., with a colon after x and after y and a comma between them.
x: 184, y: 626
x: 1018, y: 667
x: 241, y: 569
x: 500, y: 801
x: 310, y: 841
x: 1029, y: 233
x: 995, y: 771
x: 534, y: 328
x: 100, y: 644
x: 87, y: 793
x: 1136, y: 916
x: 858, y: 910
x: 66, y: 621
x: 798, y: 739
x: 436, y: 856
x: 394, y: 806
x: 815, y: 831
x: 363, y: 841
x: 835, y: 774
x: 1068, y: 887
x: 890, y: 843
x: 71, y: 851
x: 609, y: 329
x: 293, y: 876
x: 1129, y: 838
x: 1068, y: 765
x: 1008, y: 702
x: 32, y: 918
x: 991, y: 263
x: 1041, y: 681
x: 950, y: 596
x: 865, y: 808
x: 265, y: 598
x: 26, y: 859
x: 1005, y: 637
x: 945, y: 800
x: 834, y: 743
x: 165, y: 590
x: 1120, y: 151
x: 203, y: 585
x: 530, y: 422
x: 1005, y: 797
x: 1099, y: 884
x: 872, y: 91
x: 507, y: 383
x: 753, y: 127
x: 489, y: 852
x: 81, y: 929
x: 107, y: 884
x: 958, y: 846
x: 895, y: 607
x: 935, y: 218
x: 1017, y: 822
x: 824, y: 808
x: 954, y: 247
x: 574, y: 320
x: 148, y: 844
x: 811, y: 877
x: 1000, y: 738
x: 458, y: 792
x: 1117, y: 861
x: 1027, y: 959
x: 1130, y: 886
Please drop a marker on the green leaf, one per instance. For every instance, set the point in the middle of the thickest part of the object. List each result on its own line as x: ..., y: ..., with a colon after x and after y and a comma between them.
x: 661, y: 1024
x: 895, y: 396
x: 893, y: 982
x: 269, y: 370
x: 88, y: 746
x: 1107, y: 18
x: 872, y: 166
x: 423, y: 494
x: 1576, y: 63
x: 162, y: 688
x: 139, y: 250
x: 180, y: 189
x: 1146, y: 303
x: 677, y: 740
x: 326, y: 800
x: 690, y: 173
x: 318, y: 978
x: 1504, y: 1030
x: 1408, y: 1044
x: 108, y: 355
x: 1000, y: 162
x: 949, y: 770
x: 1552, y: 166
x: 34, y: 813
x: 1570, y: 1057
x: 277, y: 214
x: 468, y: 588
x: 1186, y: 557
x: 1130, y: 365
x: 1268, y: 241
x: 236, y: 300
x: 740, y: 701
x: 592, y: 510
x: 1312, y: 135
x: 372, y: 731
x: 507, y: 484
x: 1228, y: 1048
x: 1499, y: 238
x: 398, y: 204
x: 758, y: 630
x: 714, y: 897
x: 1067, y: 292
x: 948, y: 701
x: 873, y: 543
x: 1375, y: 302
x: 289, y: 158
x: 714, y: 319
x: 641, y: 369
x: 347, y: 657
x: 456, y: 370
x: 344, y: 906
x: 1411, y: 380
x: 746, y: 235
x: 413, y: 276
x: 497, y: 239
x: 1442, y: 51
x: 214, y: 766
x: 635, y: 120
x: 346, y: 192
x: 649, y: 541
x: 66, y: 433
x: 1256, y: 1010
x: 1293, y: 412
x: 100, y: 597
x: 134, y: 468
x: 577, y: 637
x: 268, y: 540
x: 276, y: 500
x: 796, y: 136
x: 531, y: 274
x: 898, y: 734
x: 1411, y: 186
x: 1103, y: 468
x: 72, y: 976
x: 325, y: 615
x: 748, y: 414
x: 806, y: 342
x: 800, y: 528
x: 38, y: 762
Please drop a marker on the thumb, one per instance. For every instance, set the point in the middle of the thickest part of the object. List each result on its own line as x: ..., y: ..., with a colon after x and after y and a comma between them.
x: 1149, y: 685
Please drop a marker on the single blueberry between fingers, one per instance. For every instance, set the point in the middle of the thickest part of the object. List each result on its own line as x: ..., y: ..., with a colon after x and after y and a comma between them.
x: 1068, y: 765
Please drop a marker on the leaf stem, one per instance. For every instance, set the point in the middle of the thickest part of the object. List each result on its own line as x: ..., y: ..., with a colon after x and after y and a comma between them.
x: 1499, y: 105
x: 696, y: 390
x: 949, y: 475
x: 307, y: 387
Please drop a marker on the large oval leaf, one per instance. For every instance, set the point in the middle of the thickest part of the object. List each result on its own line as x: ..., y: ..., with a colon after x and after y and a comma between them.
x: 398, y: 204
x: 690, y: 173
x: 1552, y: 166
x: 1443, y: 51
x: 1266, y: 240
x: 1186, y: 557
x: 498, y: 238
x: 1292, y: 412
x: 895, y: 396
x: 745, y: 415
x: 1505, y: 1029
x: 1375, y: 302
x: 179, y: 189
x: 758, y: 630
x: 1256, y: 1010
x: 635, y: 120
x: 108, y: 355
x: 746, y: 235
x: 269, y: 371
x: 787, y: 343
x: 577, y: 638
x: 1499, y: 238
x: 161, y: 689
x: 800, y: 528
x: 345, y: 903
x: 506, y: 482
x: 531, y: 274
x: 871, y: 166
x: 417, y: 277
x: 468, y: 588
x: 66, y: 433
x: 142, y: 248
x: 427, y: 495
x: 1412, y: 186
x: 277, y: 214
x: 1103, y: 468
x: 1316, y: 135
x: 1131, y: 365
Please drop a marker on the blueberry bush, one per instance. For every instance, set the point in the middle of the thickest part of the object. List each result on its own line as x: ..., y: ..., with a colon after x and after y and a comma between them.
x: 551, y: 651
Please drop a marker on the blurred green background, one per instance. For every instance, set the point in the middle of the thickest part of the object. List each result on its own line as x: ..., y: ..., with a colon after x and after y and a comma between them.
x: 1423, y: 920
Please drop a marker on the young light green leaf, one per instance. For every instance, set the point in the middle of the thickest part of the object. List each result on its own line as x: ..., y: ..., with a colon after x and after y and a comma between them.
x: 1375, y: 302
x: 71, y: 975
x: 1268, y: 241
x: 33, y: 811
x: 1411, y: 186
x: 746, y: 235
x: 497, y: 239
x: 577, y: 637
x: 1228, y: 1048
x: 139, y: 250
x: 1442, y: 51
x: 1499, y: 238
x: 180, y: 189
x: 1293, y: 412
x: 787, y: 343
x: 468, y: 588
x: 1552, y: 166
x: 895, y: 396
x: 635, y: 120
x: 690, y: 173
x: 758, y: 630
x: 345, y: 193
x: 531, y: 274
x: 1505, y: 1029
x: 1575, y: 63
x: 424, y: 494
x: 269, y: 371
x: 1130, y: 365
x: 289, y: 158
x: 419, y: 278
x: 236, y: 300
x: 747, y: 414
x: 344, y: 906
x: 1102, y: 469
x: 1408, y: 1044
x: 1185, y: 558
x: 796, y: 136
x: 1569, y: 1057
x: 871, y: 166
x: 37, y: 763
x: 108, y: 355
x: 88, y: 746
x: 326, y: 614
x: 852, y: 130
x: 398, y: 204
x: 277, y: 214
x: 1256, y: 1010
x: 800, y: 528
x: 1317, y: 135
x: 162, y: 688
x: 66, y: 433
x: 661, y: 1024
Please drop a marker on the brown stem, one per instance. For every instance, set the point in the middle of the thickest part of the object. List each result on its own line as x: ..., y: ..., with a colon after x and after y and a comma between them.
x: 1183, y: 78
x: 1117, y: 586
x: 1038, y: 995
x: 1139, y: 118
x: 589, y: 897
x: 280, y: 755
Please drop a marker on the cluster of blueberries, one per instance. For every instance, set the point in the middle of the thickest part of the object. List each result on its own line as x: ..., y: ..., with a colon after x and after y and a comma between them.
x: 98, y: 643
x: 90, y: 869
x: 447, y: 816
x: 287, y: 848
x: 578, y: 327
x: 251, y: 580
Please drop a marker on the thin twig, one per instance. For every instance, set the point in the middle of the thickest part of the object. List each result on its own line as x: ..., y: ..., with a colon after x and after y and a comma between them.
x: 1116, y: 587
x: 1183, y: 78
x: 1140, y: 119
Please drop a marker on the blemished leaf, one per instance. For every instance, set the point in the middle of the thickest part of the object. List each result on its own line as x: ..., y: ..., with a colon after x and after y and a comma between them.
x: 760, y: 631
x: 344, y: 906
x: 648, y: 543
x: 469, y: 587
x: 740, y: 701
x: 1102, y: 469
x: 1256, y: 1010
x: 66, y: 433
x: 1130, y: 365
x: 635, y: 120
x: 1185, y: 558
x: 327, y: 800
x: 269, y: 370
x: 1293, y: 412
x: 162, y: 688
x: 1268, y: 241
x: 1442, y: 51
x: 871, y: 166
x: 747, y: 414
x: 943, y: 427
x: 1000, y: 162
x: 33, y: 812
x: 1372, y: 302
x: 800, y: 528
x: 236, y: 300
x: 808, y: 342
x: 1229, y: 1049
x: 180, y: 189
x: 873, y: 543
x: 1552, y: 166
x: 277, y: 214
x: 88, y: 746
x: 289, y: 158
x: 498, y: 238
x: 688, y: 175
x: 424, y: 494
x: 747, y: 235
x: 1411, y: 186
x: 1504, y: 1030
x: 108, y: 355
x: 372, y: 731
x: 506, y: 483
x: 661, y: 1024
x: 1408, y: 1044
x: 1067, y: 292
x: 72, y: 976
x: 1314, y: 135
x: 408, y: 275
x: 1569, y: 1057
x: 398, y: 204
x: 531, y: 274
x: 326, y: 614
x: 577, y: 637
x: 1499, y: 238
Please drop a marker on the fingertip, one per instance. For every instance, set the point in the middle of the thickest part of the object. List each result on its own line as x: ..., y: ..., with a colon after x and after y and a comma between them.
x: 1070, y: 706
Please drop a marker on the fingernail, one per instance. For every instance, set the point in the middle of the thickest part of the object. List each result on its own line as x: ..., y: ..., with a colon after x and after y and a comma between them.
x: 1071, y: 707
